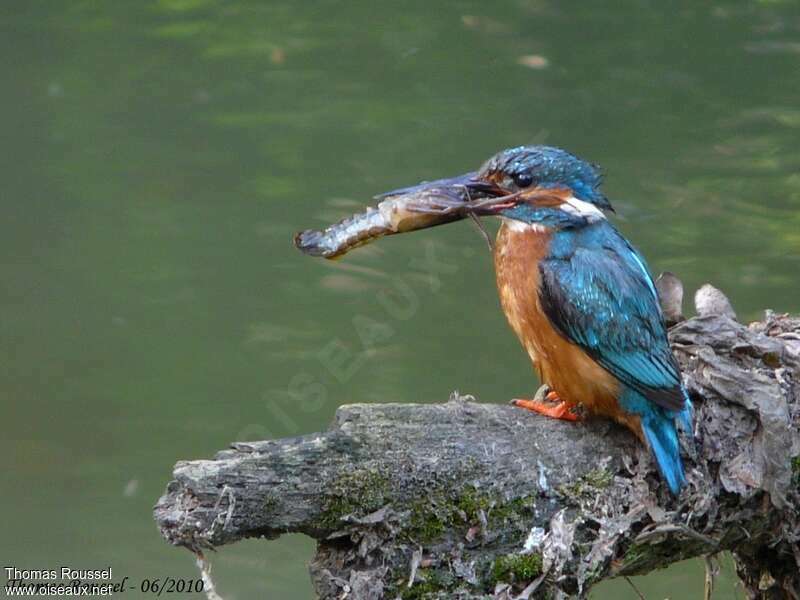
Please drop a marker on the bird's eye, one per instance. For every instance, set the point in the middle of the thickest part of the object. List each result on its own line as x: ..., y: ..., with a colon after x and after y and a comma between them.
x: 523, y: 180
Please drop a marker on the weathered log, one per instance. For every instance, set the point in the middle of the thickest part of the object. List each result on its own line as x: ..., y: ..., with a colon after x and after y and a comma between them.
x: 469, y: 500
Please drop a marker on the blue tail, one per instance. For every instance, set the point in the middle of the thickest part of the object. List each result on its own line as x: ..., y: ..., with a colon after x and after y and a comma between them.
x: 660, y: 430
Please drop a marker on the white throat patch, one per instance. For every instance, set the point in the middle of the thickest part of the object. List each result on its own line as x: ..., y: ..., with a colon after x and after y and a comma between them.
x: 522, y: 227
x: 580, y: 208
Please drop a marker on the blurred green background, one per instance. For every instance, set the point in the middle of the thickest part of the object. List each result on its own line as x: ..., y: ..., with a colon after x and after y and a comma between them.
x: 159, y: 155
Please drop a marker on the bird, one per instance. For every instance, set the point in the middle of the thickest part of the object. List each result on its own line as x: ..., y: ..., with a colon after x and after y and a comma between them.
x: 581, y: 300
x: 576, y: 292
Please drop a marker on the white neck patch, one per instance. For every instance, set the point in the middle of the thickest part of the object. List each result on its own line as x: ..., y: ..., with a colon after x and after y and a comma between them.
x: 522, y: 227
x: 580, y: 208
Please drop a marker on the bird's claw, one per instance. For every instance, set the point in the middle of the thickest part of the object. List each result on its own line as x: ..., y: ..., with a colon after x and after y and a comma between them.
x: 547, y: 402
x: 542, y: 393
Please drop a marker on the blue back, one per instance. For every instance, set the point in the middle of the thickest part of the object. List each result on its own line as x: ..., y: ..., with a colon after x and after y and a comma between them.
x: 597, y: 292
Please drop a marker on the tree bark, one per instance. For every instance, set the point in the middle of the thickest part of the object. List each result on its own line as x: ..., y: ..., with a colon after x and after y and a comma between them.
x: 471, y: 500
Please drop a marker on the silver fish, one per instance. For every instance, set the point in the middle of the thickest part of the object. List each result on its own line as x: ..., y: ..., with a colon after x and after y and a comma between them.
x: 419, y: 207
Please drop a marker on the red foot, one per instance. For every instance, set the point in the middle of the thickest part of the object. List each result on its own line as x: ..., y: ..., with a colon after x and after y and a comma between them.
x: 551, y: 406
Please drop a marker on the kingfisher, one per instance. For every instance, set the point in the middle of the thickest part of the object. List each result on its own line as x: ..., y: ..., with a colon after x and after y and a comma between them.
x: 581, y: 300
x: 575, y: 291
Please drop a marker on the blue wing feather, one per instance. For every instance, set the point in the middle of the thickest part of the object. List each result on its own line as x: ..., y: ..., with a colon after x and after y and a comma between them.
x: 597, y: 292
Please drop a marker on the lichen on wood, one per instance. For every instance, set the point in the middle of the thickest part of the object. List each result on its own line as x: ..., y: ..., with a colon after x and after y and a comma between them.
x: 476, y: 500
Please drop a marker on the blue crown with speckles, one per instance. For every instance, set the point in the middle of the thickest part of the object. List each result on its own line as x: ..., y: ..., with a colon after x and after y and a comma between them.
x: 550, y: 167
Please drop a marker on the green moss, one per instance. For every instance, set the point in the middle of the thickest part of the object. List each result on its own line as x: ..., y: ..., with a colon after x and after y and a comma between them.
x: 360, y: 493
x: 431, y: 516
x: 472, y: 502
x: 420, y: 591
x: 796, y: 470
x: 515, y: 568
x: 497, y: 510
x: 588, y: 484
x: 424, y: 524
x: 439, y: 512
x: 335, y: 509
x: 270, y: 503
x: 516, y: 508
x: 599, y: 478
x: 434, y: 585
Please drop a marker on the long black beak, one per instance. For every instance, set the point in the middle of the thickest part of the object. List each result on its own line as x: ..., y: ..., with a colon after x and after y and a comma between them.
x: 460, y: 187
x: 457, y: 196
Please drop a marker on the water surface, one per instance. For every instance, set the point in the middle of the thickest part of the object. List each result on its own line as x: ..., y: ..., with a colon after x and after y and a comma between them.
x: 159, y: 155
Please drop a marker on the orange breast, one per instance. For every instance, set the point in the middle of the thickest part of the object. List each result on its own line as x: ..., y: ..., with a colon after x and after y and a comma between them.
x: 562, y: 365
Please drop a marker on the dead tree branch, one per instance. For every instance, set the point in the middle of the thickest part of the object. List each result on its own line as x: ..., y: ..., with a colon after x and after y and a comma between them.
x: 473, y: 500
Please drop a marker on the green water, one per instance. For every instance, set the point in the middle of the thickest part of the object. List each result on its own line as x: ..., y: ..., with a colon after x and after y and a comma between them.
x: 158, y: 156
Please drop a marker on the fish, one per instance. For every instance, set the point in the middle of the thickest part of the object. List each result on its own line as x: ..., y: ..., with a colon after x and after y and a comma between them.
x: 424, y: 205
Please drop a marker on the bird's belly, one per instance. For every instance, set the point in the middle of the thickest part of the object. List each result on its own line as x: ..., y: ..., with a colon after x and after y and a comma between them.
x: 562, y: 365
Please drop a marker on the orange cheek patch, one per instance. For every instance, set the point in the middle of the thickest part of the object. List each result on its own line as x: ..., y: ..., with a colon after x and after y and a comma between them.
x: 546, y: 197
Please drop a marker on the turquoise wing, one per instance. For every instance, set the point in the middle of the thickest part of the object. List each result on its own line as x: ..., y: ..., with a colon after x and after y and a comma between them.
x: 603, y: 299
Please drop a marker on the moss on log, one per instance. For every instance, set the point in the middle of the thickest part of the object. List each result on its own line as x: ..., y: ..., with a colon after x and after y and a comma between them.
x: 473, y: 500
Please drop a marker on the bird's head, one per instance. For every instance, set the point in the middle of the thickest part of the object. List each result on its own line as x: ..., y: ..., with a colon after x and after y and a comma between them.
x: 544, y: 185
